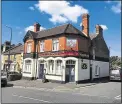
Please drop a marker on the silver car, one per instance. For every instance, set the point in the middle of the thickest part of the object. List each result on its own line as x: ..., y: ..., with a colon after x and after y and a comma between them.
x: 116, y: 74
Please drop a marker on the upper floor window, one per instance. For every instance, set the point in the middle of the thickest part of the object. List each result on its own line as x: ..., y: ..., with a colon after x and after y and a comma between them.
x: 55, y: 45
x: 42, y: 46
x: 29, y: 47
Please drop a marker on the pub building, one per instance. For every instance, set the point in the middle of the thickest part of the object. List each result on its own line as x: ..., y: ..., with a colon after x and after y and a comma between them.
x: 65, y: 53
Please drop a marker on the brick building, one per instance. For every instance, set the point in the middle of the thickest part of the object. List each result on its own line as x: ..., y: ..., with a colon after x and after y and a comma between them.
x: 65, y: 54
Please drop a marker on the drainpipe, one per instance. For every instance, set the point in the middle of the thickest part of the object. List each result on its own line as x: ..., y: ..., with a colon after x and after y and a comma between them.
x: 36, y: 59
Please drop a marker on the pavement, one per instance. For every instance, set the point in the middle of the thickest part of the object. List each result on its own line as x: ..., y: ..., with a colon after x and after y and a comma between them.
x: 109, y: 92
x: 37, y: 84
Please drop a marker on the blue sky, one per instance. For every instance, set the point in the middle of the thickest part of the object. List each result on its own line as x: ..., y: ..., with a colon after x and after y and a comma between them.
x: 21, y: 15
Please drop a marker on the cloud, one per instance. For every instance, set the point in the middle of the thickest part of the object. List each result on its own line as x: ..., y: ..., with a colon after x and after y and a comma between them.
x: 116, y: 8
x: 32, y: 28
x: 60, y: 11
x: 108, y: 1
x: 31, y: 8
x: 104, y: 27
x: 81, y: 24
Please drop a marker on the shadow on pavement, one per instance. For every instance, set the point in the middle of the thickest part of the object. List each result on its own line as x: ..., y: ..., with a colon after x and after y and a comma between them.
x: 8, y: 85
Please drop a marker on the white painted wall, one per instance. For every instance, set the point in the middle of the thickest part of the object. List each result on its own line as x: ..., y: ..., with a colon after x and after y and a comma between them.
x: 104, y: 68
x: 51, y: 77
x: 83, y: 74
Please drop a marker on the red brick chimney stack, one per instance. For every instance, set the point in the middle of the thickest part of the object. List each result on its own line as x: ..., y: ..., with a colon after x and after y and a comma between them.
x: 36, y: 27
x: 85, y: 24
x: 99, y: 29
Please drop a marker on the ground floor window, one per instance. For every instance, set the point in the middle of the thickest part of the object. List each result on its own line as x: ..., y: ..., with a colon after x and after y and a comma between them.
x: 27, y: 66
x: 97, y: 70
x: 59, y: 68
x: 70, y: 62
x: 51, y: 66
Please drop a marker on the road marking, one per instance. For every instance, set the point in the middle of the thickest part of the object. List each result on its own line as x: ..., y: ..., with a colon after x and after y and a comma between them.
x: 118, y: 97
x: 93, y: 95
x: 31, y: 98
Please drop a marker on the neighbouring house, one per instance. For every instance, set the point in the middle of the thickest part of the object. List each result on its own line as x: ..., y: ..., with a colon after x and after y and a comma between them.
x: 5, y: 47
x: 16, y: 58
x: 65, y: 54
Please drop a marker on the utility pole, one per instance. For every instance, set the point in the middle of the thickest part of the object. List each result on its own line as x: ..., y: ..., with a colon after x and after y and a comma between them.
x: 109, y: 60
x: 9, y: 48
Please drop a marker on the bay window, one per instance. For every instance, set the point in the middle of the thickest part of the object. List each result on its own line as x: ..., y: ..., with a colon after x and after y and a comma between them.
x: 55, y: 44
x: 27, y: 66
x: 51, y: 66
x: 59, y: 67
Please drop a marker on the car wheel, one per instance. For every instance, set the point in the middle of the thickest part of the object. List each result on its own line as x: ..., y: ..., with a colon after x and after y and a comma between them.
x: 5, y: 84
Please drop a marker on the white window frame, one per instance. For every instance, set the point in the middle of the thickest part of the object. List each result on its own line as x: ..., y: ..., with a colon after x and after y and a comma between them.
x: 27, y: 66
x: 51, y: 66
x: 55, y: 44
x: 97, y: 70
x: 59, y: 67
x: 41, y: 46
x: 29, y: 46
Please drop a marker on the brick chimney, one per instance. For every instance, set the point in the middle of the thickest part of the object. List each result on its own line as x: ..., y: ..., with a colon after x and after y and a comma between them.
x: 85, y: 24
x: 36, y: 27
x: 99, y: 29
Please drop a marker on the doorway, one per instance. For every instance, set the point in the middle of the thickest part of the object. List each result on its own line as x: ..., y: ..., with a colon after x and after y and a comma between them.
x: 41, y: 71
x: 70, y: 71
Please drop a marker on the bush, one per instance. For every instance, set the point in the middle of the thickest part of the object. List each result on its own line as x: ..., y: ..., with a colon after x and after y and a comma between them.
x: 14, y: 76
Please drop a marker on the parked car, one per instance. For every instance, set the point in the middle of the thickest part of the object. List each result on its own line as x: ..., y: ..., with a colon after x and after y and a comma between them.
x: 116, y: 74
x: 12, y: 76
x: 3, y: 78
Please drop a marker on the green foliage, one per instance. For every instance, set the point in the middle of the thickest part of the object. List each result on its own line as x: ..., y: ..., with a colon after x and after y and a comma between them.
x: 115, y: 61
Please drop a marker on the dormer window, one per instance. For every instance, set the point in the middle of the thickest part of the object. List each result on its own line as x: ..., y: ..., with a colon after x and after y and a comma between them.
x: 29, y: 45
x: 42, y: 46
x: 55, y: 44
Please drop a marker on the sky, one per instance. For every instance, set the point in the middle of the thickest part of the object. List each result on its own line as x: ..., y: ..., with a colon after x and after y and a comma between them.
x: 21, y: 15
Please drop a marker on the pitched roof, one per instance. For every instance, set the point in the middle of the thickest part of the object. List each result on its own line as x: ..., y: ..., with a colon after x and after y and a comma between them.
x: 15, y: 50
x: 66, y: 28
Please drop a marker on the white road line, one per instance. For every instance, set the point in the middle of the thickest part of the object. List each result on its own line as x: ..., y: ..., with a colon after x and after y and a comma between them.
x: 93, y: 95
x: 31, y: 98
x: 118, y: 97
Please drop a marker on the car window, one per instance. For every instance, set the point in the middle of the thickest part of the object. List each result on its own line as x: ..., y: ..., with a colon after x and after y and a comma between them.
x: 115, y: 71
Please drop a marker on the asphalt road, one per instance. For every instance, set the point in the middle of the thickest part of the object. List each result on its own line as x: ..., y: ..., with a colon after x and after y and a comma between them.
x: 100, y: 93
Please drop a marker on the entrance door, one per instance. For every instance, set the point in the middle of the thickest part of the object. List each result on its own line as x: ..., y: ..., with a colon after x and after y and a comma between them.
x: 70, y: 71
x: 41, y: 71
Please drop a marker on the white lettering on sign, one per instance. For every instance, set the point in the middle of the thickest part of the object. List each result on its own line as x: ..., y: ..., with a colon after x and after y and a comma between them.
x: 71, y: 42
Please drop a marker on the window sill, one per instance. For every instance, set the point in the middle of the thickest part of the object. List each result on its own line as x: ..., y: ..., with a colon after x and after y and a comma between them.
x: 55, y: 50
x: 27, y: 72
x: 54, y: 74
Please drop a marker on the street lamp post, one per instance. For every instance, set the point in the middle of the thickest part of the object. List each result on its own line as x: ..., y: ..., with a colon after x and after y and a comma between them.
x: 9, y: 47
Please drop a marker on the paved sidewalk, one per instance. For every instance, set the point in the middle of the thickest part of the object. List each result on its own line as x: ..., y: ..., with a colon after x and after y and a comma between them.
x: 52, y: 86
